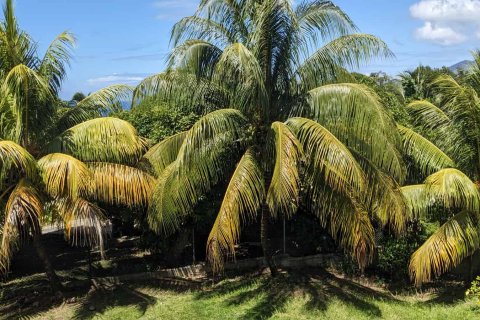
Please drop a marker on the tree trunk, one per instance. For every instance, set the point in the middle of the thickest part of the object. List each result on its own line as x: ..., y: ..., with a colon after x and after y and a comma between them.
x: 42, y: 254
x: 264, y: 240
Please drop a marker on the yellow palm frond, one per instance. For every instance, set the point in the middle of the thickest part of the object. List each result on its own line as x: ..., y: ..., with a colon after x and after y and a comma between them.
x: 417, y: 200
x: 120, y: 184
x: 23, y: 212
x: 64, y: 176
x: 102, y: 139
x: 242, y: 200
x: 13, y: 155
x: 284, y: 189
x: 446, y: 248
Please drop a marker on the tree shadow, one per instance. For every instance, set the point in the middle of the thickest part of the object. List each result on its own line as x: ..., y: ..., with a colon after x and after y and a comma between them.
x: 319, y: 288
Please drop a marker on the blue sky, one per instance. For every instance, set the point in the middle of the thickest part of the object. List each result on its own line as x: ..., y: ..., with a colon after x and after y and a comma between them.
x: 122, y: 41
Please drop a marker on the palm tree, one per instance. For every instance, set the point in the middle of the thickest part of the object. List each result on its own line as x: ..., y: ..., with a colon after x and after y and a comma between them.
x: 288, y: 132
x: 453, y: 123
x: 57, y: 160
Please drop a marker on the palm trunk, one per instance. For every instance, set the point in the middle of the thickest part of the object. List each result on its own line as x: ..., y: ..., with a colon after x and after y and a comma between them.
x: 50, y: 272
x: 264, y: 240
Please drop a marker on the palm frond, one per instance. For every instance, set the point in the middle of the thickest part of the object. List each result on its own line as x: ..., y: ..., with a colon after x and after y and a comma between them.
x: 427, y: 114
x: 56, y: 59
x: 284, y: 189
x: 417, y: 200
x: 13, y: 155
x: 428, y: 157
x: 23, y: 211
x: 328, y: 160
x: 102, y: 139
x: 242, y: 200
x: 446, y: 248
x: 64, y: 176
x: 353, y: 113
x: 158, y: 157
x: 120, y: 184
x: 453, y: 189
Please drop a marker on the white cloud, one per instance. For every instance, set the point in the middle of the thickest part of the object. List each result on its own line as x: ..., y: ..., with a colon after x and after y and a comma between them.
x: 116, y: 78
x: 442, y: 35
x: 447, y: 22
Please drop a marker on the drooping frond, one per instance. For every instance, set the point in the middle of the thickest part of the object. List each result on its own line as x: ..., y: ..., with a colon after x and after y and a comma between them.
x: 196, y: 27
x: 353, y: 113
x: 64, y: 176
x: 120, y: 185
x: 102, y: 139
x: 56, y: 59
x: 200, y: 164
x: 428, y: 157
x: 22, y: 214
x: 428, y: 115
x: 85, y: 223
x: 417, y: 200
x: 284, y: 189
x: 242, y: 200
x: 328, y: 160
x: 453, y: 189
x: 347, y: 221
x: 13, y: 155
x: 158, y: 157
x: 196, y: 56
x: 457, y: 239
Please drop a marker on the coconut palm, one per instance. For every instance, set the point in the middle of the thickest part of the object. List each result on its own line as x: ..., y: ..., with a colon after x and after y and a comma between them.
x: 56, y: 160
x: 288, y: 132
x: 453, y: 123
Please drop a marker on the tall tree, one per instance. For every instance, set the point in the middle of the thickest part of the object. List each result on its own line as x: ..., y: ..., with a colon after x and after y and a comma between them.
x: 453, y: 122
x: 55, y: 159
x: 296, y: 132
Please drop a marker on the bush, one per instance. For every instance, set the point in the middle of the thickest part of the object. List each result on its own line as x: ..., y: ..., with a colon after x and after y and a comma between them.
x: 474, y: 290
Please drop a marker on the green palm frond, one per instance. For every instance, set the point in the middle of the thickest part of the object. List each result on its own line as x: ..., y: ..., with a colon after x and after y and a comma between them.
x: 446, y: 248
x: 427, y: 114
x: 242, y: 200
x: 22, y: 214
x: 428, y: 157
x: 354, y: 114
x: 417, y: 200
x: 56, y: 60
x: 102, y: 139
x: 328, y: 160
x: 453, y: 189
x: 158, y: 157
x: 64, y: 176
x: 120, y: 184
x: 95, y: 105
x: 284, y: 189
x: 348, y: 51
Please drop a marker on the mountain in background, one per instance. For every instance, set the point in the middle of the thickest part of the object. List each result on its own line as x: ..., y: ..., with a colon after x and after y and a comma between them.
x: 462, y: 65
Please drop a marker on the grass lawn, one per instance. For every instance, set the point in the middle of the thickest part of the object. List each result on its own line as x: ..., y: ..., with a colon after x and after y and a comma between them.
x: 305, y: 295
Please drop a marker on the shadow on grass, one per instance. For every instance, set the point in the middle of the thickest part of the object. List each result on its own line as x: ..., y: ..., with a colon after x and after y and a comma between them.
x: 272, y: 294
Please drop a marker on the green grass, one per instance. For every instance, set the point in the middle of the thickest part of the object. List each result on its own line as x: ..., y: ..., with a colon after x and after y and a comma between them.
x: 290, y: 296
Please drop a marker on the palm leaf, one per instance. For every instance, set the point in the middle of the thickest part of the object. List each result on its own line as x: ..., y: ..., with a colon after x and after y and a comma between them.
x: 284, y: 189
x: 120, y: 185
x: 243, y: 198
x: 446, y: 248
x: 64, y: 176
x: 101, y: 139
x: 13, y: 155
